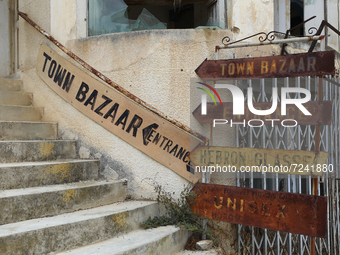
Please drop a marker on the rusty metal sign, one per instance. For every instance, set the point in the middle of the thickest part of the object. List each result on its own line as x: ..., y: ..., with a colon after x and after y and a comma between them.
x: 230, y: 159
x: 143, y: 129
x: 280, y: 211
x: 305, y: 64
x: 321, y: 113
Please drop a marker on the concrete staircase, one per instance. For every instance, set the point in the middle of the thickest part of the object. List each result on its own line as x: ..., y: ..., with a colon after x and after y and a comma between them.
x: 51, y: 202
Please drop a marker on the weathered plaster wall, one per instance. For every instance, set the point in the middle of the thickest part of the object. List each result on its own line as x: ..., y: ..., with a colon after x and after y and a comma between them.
x: 64, y: 20
x: 154, y: 65
x: 68, y: 19
x: 29, y: 43
x: 4, y: 39
x: 247, y: 17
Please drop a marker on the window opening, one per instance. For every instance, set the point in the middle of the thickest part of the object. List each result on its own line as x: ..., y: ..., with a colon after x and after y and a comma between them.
x: 114, y: 16
x: 296, y: 17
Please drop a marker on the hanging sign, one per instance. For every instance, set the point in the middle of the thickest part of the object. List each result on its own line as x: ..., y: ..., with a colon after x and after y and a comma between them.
x: 305, y: 64
x: 128, y: 120
x: 280, y: 211
x: 321, y: 114
x: 230, y: 159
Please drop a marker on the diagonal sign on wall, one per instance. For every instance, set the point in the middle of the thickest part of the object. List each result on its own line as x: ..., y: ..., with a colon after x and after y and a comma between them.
x: 128, y: 120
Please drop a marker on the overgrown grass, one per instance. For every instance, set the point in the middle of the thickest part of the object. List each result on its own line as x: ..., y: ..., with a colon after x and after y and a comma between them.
x: 178, y: 213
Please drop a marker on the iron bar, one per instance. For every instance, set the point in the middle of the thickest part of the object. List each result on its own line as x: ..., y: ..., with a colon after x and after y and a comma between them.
x: 299, y: 25
x: 262, y: 37
x: 290, y: 40
x: 283, y: 49
x: 317, y: 149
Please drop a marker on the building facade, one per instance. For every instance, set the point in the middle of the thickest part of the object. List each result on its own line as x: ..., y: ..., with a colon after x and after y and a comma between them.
x: 152, y: 49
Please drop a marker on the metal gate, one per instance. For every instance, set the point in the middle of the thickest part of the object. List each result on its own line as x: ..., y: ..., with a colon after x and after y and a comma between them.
x: 252, y: 240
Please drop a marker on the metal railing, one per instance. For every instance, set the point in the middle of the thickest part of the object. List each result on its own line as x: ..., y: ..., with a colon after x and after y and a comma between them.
x: 253, y: 240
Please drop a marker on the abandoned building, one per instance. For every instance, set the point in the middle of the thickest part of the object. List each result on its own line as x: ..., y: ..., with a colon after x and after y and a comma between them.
x: 97, y: 103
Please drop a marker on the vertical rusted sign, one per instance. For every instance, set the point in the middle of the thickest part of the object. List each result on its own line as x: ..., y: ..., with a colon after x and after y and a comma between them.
x: 281, y: 211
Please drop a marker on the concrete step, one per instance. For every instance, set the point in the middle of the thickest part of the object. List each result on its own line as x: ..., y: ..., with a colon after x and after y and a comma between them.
x: 28, y: 151
x: 15, y: 98
x: 10, y: 84
x: 68, y: 231
x: 14, y: 130
x: 33, y: 174
x: 162, y: 240
x: 20, y: 113
x: 30, y: 203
